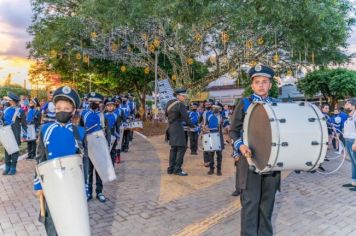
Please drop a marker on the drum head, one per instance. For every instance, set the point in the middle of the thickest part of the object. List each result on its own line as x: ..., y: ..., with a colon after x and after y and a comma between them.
x: 260, y: 136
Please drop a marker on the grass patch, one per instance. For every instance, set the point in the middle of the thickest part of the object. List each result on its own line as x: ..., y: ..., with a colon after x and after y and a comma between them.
x: 23, y: 150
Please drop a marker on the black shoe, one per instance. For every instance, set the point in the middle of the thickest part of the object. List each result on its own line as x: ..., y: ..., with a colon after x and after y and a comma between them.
x: 326, y: 159
x: 101, y: 197
x: 89, y: 197
x: 236, y: 193
x: 211, y: 171
x: 30, y: 158
x: 348, y: 185
x: 321, y: 168
x: 193, y: 153
x: 169, y: 172
x: 353, y: 188
x: 219, y: 173
x: 182, y: 173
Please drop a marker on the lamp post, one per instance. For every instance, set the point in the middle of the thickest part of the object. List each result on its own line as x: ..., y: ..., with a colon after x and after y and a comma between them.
x: 156, y: 84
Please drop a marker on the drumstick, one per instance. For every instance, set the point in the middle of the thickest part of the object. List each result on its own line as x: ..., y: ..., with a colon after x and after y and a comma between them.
x: 42, y: 206
x: 248, y: 156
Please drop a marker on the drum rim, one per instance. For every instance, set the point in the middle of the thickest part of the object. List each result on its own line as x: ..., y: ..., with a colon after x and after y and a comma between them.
x: 324, y: 137
x: 58, y: 159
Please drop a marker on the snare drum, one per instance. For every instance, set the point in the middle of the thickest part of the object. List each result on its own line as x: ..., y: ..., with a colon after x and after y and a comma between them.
x: 8, y: 140
x: 99, y: 154
x: 285, y: 136
x: 30, y: 134
x: 62, y: 180
x: 211, y: 142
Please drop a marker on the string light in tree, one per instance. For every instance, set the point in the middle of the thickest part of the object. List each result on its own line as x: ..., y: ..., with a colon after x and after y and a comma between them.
x: 156, y: 42
x: 260, y: 41
x: 198, y: 37
x: 114, y: 47
x: 190, y: 61
x: 78, y: 56
x: 93, y: 35
x: 53, y: 53
x: 123, y: 69
x: 174, y: 77
x: 146, y: 70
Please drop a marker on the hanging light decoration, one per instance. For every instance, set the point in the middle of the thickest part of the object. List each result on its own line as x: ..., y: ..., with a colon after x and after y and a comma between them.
x: 174, y: 77
x: 114, y: 47
x: 53, y: 53
x: 249, y: 44
x: 146, y: 70
x: 260, y: 41
x: 152, y: 48
x: 276, y: 58
x: 123, y: 69
x: 93, y: 35
x: 78, y: 56
x: 190, y: 61
x: 156, y: 42
x: 198, y: 37
x: 225, y: 37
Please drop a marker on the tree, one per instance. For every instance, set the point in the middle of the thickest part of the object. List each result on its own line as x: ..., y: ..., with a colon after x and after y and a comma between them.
x: 199, y: 40
x: 333, y: 84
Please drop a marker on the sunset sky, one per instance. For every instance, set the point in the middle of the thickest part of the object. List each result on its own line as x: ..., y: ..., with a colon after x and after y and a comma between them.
x: 15, y: 17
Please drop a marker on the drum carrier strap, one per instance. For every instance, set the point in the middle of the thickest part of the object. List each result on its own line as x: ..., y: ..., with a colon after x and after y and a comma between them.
x: 77, y: 139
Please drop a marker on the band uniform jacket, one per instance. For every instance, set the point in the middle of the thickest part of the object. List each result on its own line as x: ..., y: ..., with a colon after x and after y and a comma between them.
x: 20, y: 121
x: 176, y: 116
x: 236, y: 132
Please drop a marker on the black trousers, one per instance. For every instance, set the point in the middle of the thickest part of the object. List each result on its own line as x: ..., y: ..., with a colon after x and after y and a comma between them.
x: 218, y: 160
x: 206, y: 157
x: 49, y: 224
x: 257, y: 204
x: 31, y: 148
x: 176, y: 158
x: 89, y: 172
x: 131, y: 135
x: 114, y: 153
x: 11, y: 160
x: 193, y: 141
x: 126, y: 140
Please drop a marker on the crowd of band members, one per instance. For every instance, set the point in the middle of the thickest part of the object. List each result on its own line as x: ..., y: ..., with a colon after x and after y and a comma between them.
x: 123, y: 107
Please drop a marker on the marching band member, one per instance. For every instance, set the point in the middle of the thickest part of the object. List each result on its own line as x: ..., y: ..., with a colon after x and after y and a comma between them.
x: 258, y: 191
x: 93, y: 120
x: 124, y: 106
x: 177, y: 114
x: 203, y: 119
x: 214, y: 124
x: 58, y: 139
x: 48, y: 111
x: 14, y: 116
x: 194, y: 118
x: 33, y: 117
x: 114, y: 123
x: 350, y: 139
x: 85, y: 104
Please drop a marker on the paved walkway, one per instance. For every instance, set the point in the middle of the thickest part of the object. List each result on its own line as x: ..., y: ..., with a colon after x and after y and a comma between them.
x: 142, y: 201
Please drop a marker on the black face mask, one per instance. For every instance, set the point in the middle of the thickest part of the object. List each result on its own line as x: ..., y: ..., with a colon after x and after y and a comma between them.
x: 7, y: 104
x: 32, y: 107
x: 94, y: 106
x: 63, y: 117
x: 208, y: 108
x: 348, y: 110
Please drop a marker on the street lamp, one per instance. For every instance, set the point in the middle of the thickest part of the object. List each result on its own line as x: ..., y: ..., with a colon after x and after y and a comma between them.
x: 156, y: 83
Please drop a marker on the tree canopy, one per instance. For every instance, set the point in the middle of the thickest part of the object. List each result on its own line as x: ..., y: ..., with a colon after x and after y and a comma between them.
x: 197, y: 40
x: 333, y: 84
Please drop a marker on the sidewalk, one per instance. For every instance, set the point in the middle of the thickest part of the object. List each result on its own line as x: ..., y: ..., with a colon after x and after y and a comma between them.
x: 144, y: 200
